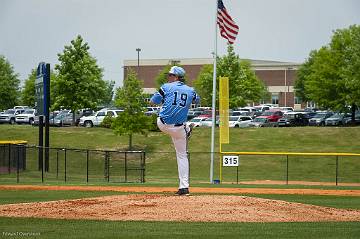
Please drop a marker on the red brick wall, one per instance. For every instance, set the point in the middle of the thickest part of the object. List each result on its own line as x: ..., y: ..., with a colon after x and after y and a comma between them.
x: 270, y: 77
x: 276, y: 77
x: 149, y: 73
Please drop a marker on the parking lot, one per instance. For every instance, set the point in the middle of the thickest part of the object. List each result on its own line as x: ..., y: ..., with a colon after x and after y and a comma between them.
x: 268, y: 116
x: 242, y: 117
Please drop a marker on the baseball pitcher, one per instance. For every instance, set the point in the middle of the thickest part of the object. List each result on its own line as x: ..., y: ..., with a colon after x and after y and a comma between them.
x: 176, y: 98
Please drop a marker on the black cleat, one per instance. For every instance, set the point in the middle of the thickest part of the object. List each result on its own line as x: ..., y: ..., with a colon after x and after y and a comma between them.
x: 183, y: 192
x: 188, y: 134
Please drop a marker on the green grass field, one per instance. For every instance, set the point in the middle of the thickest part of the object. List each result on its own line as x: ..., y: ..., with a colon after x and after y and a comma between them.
x: 161, y: 163
x: 298, y: 139
x: 161, y: 171
x: 50, y: 228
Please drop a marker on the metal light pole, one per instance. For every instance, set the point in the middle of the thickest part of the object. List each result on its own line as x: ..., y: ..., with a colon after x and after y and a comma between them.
x: 138, y: 53
x: 285, y: 85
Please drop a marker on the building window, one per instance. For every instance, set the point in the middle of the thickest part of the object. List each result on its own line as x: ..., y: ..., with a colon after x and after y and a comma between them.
x: 297, y: 100
x: 311, y: 104
x: 263, y: 101
x: 275, y: 98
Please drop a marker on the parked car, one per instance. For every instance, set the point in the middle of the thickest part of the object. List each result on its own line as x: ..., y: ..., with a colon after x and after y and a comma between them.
x: 65, y: 117
x: 9, y: 116
x: 273, y: 115
x: 152, y: 110
x: 247, y: 109
x: 196, y: 121
x: 335, y: 119
x: 261, y: 121
x: 98, y: 117
x: 191, y: 115
x: 21, y: 107
x: 262, y: 108
x: 239, y: 112
x: 198, y: 111
x: 286, y: 109
x: 208, y: 122
x: 293, y: 119
x: 52, y: 115
x: 81, y: 113
x: 239, y: 121
x: 206, y: 114
x: 27, y: 117
x: 310, y: 109
x: 255, y: 114
x: 347, y: 119
x: 308, y: 114
x: 319, y: 119
x: 61, y: 120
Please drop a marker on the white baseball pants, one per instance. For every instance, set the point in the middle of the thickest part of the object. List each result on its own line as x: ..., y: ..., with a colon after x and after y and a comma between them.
x: 178, y: 136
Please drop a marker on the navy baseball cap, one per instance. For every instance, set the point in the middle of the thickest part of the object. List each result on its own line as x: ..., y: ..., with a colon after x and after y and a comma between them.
x: 177, y: 70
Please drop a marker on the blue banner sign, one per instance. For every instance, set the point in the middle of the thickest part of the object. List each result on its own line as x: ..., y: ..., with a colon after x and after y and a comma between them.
x: 42, y: 83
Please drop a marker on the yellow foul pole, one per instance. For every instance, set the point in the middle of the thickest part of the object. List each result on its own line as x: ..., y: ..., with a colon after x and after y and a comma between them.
x: 224, y: 116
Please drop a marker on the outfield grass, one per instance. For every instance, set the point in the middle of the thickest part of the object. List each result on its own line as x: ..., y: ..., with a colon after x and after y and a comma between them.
x: 294, y: 139
x: 50, y: 228
x: 160, y: 157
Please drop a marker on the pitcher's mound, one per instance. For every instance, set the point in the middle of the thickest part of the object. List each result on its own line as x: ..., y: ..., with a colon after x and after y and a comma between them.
x: 202, y: 208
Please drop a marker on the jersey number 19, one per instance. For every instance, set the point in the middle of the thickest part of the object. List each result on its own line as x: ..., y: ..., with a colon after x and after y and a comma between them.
x: 183, y: 98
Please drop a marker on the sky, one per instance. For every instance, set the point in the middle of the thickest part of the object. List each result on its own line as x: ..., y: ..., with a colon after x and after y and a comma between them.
x: 32, y: 31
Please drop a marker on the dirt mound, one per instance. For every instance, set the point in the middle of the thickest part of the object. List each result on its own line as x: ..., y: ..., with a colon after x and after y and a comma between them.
x: 201, y: 208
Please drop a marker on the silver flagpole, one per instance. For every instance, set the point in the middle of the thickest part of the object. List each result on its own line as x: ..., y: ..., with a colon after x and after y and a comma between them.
x: 213, y: 103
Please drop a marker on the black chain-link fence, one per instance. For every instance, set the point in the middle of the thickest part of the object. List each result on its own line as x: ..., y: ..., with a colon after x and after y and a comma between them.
x: 21, y: 163
x: 257, y: 169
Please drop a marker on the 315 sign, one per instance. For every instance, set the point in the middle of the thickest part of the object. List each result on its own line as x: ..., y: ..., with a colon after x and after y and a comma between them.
x: 230, y: 161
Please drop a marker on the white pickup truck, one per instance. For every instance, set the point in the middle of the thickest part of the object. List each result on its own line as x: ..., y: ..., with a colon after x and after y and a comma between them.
x: 27, y: 117
x: 9, y: 115
x: 98, y: 117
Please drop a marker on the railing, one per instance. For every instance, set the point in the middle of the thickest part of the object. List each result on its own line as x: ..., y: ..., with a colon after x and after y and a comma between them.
x: 106, y: 166
x: 67, y: 164
x: 325, y: 163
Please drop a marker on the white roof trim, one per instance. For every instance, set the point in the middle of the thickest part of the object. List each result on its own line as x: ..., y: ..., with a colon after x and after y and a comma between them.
x: 258, y: 64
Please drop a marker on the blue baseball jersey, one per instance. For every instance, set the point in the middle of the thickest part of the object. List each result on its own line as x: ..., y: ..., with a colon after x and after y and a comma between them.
x: 176, y: 98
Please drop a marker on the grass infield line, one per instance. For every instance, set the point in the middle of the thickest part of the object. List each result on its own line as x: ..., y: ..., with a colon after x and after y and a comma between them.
x: 137, y: 189
x: 54, y: 228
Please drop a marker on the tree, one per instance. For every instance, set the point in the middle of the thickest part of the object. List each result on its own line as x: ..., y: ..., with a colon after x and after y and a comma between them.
x: 346, y: 43
x: 301, y: 74
x: 28, y: 92
x: 323, y: 81
x: 330, y: 77
x: 130, y: 98
x: 203, y: 84
x: 79, y: 84
x: 9, y: 85
x: 244, y: 86
x: 109, y: 93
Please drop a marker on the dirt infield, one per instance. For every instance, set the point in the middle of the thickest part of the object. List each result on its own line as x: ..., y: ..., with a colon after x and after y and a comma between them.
x: 202, y: 208
x: 165, y: 207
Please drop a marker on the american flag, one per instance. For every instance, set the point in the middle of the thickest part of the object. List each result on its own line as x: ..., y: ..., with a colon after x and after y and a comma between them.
x: 228, y: 28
